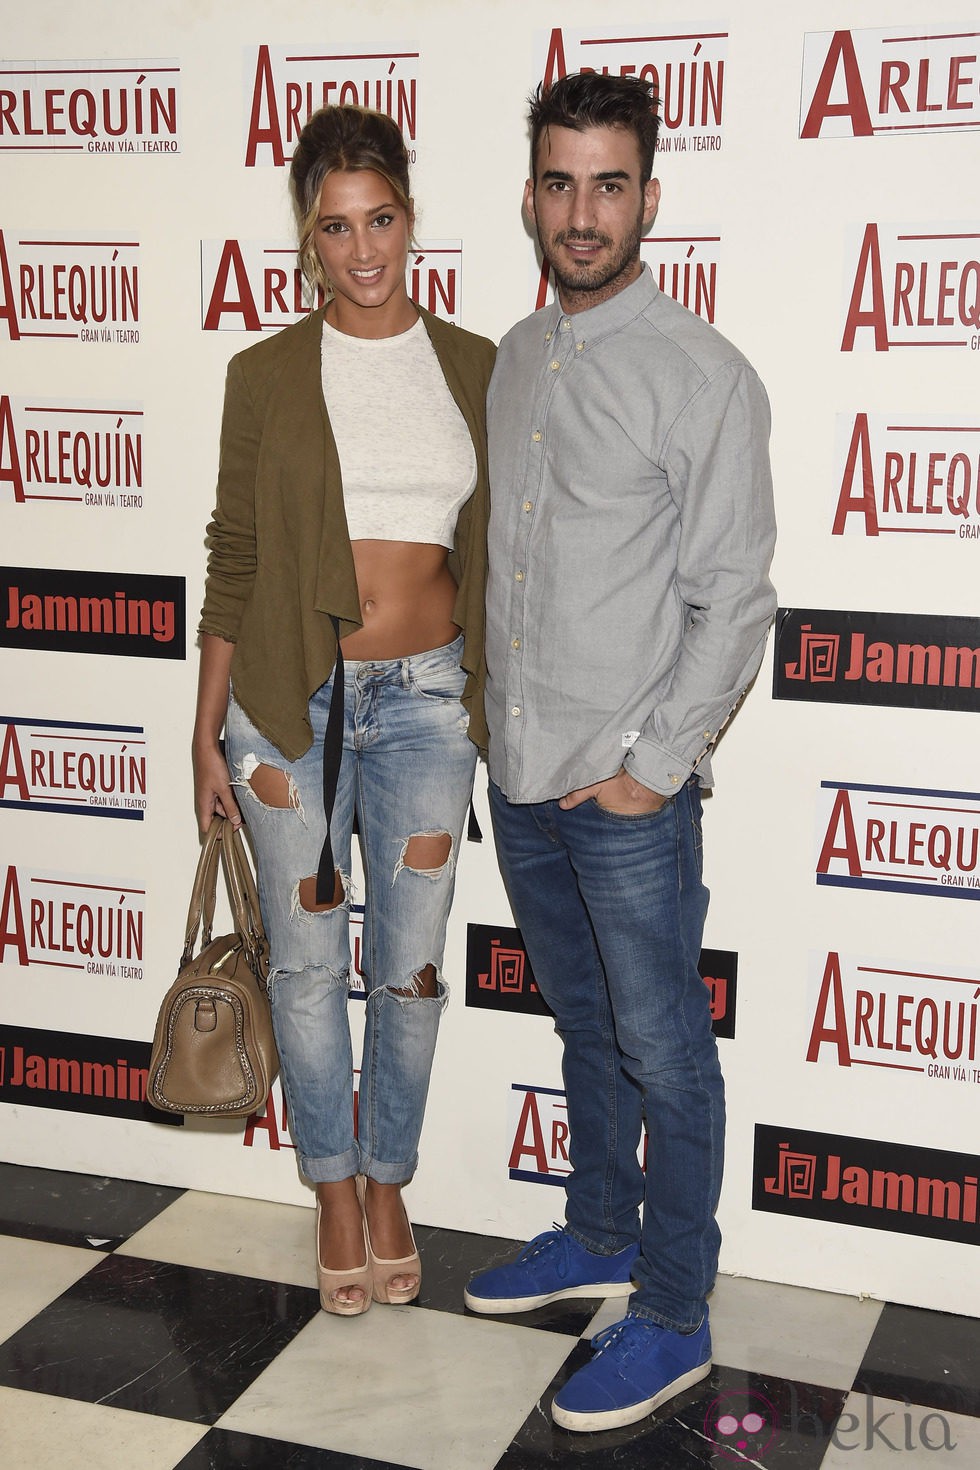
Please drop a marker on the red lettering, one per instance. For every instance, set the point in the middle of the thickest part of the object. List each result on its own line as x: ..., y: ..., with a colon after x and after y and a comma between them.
x: 244, y: 304
x: 869, y: 263
x: 847, y: 501
x: 855, y: 104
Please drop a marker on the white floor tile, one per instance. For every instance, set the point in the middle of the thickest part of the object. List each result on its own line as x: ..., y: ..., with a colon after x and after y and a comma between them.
x: 811, y: 1336
x: 247, y: 1237
x: 45, y: 1433
x: 881, y: 1433
x: 33, y: 1273
x: 421, y: 1388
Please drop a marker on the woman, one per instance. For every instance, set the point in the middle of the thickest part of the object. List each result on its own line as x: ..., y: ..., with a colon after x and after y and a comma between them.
x: 351, y: 505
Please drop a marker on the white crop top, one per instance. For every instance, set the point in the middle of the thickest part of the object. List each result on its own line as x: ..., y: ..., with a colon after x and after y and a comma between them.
x: 406, y: 456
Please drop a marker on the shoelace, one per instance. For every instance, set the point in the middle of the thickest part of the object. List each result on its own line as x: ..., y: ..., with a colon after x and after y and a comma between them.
x: 611, y: 1336
x: 547, y: 1240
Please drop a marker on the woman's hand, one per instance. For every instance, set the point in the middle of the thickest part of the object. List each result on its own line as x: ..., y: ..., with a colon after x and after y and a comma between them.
x: 212, y: 788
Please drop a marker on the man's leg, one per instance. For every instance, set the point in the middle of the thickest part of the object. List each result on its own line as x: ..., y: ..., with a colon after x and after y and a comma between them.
x: 594, y: 1254
x: 641, y: 880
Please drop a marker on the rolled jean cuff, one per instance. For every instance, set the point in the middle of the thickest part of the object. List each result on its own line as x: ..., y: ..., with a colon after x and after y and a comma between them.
x: 332, y: 1170
x: 385, y: 1173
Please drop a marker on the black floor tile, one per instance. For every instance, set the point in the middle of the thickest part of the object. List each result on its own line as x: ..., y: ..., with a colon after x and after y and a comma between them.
x: 451, y: 1257
x: 926, y: 1358
x: 223, y: 1449
x: 76, y: 1209
x: 795, y: 1421
x: 156, y: 1338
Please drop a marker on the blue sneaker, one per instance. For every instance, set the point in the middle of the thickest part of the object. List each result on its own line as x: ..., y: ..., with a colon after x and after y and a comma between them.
x: 637, y: 1367
x: 549, y: 1269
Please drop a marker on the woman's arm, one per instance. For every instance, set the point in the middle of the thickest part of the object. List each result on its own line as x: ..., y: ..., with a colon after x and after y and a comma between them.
x: 212, y: 782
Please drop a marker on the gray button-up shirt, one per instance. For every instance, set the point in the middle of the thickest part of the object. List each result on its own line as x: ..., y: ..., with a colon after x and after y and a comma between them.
x: 631, y: 531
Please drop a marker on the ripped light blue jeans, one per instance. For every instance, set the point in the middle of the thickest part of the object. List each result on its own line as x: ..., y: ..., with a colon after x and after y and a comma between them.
x: 407, y: 768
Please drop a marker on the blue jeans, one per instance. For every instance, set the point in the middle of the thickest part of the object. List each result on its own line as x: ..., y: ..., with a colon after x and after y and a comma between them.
x: 408, y: 769
x: 612, y: 910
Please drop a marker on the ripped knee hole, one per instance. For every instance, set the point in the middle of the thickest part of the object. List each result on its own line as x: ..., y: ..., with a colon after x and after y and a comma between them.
x: 307, y: 894
x: 427, y: 851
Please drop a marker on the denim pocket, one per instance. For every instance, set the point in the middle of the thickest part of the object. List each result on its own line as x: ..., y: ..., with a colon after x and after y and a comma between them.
x: 442, y: 682
x: 632, y: 816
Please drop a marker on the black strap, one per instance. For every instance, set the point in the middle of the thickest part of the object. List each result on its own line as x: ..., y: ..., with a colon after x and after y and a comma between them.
x: 333, y: 753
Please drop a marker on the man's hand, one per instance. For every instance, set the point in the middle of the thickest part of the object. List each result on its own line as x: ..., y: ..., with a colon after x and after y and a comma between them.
x: 619, y: 793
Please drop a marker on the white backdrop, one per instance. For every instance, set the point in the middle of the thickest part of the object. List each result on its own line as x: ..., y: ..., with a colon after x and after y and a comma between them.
x: 113, y: 257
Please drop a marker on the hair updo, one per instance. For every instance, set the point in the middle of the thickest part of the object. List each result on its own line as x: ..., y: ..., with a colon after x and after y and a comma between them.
x: 342, y: 138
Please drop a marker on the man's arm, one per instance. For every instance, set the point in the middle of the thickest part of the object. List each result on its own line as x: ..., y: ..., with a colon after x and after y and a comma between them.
x: 717, y: 461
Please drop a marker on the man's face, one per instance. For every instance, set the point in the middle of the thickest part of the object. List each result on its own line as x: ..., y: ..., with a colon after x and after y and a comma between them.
x: 589, y: 210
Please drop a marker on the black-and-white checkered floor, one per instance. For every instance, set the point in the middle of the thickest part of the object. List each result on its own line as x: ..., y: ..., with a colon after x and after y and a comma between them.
x: 151, y: 1328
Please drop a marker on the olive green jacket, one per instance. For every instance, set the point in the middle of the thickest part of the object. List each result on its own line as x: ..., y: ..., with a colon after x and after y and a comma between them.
x: 280, y: 561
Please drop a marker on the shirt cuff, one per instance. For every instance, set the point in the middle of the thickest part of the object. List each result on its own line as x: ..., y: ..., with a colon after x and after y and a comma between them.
x: 657, y: 768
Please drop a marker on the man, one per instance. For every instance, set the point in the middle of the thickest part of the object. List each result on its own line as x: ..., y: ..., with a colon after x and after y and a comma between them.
x: 631, y: 532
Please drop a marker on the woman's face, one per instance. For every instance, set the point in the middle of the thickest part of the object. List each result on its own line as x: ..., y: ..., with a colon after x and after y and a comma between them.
x: 362, y: 238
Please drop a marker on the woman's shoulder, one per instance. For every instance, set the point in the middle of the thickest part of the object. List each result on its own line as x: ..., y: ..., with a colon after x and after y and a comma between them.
x: 294, y: 348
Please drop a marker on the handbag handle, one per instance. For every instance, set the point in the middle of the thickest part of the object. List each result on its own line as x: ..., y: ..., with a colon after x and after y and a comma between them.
x: 203, y: 892
x: 245, y: 902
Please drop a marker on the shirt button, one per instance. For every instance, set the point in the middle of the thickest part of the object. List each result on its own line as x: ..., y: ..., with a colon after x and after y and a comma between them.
x: 548, y: 336
x: 707, y: 734
x: 565, y: 324
x: 554, y: 365
x: 518, y: 576
x: 674, y: 780
x: 515, y: 709
x: 580, y: 347
x: 536, y: 436
x: 528, y: 505
x: 515, y: 643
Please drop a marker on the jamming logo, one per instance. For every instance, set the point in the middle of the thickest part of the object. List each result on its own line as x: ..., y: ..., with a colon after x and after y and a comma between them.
x: 684, y: 267
x: 90, y: 107
x: 687, y: 72
x: 77, y: 769
x: 868, y: 1014
x: 899, y: 839
x: 92, y: 612
x: 912, y: 287
x: 906, y: 476
x: 499, y: 977
x: 254, y: 286
x: 78, y: 290
x: 903, y: 660
x: 268, y: 1126
x: 862, y: 84
x: 80, y: 452
x: 77, y: 1074
x: 284, y: 85
x: 71, y: 923
x: 866, y: 1182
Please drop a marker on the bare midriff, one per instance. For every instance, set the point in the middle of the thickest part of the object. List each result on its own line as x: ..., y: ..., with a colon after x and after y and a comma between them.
x: 407, y: 594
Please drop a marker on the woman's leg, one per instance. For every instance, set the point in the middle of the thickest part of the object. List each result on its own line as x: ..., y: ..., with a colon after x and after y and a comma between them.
x: 415, y: 777
x: 309, y: 959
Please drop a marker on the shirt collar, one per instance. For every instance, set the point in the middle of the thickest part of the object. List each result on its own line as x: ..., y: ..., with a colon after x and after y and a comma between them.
x: 608, y: 316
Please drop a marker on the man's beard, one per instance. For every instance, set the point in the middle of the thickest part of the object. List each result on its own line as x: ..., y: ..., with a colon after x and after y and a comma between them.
x: 599, y: 275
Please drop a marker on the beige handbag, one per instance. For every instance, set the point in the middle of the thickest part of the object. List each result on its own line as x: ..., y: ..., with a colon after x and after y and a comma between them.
x: 213, y: 1049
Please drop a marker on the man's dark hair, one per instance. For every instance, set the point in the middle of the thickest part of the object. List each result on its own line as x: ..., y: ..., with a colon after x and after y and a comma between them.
x: 587, y: 99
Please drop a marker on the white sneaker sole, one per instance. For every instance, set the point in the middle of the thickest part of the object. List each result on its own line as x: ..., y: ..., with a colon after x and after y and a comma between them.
x: 631, y: 1413
x: 501, y: 1306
